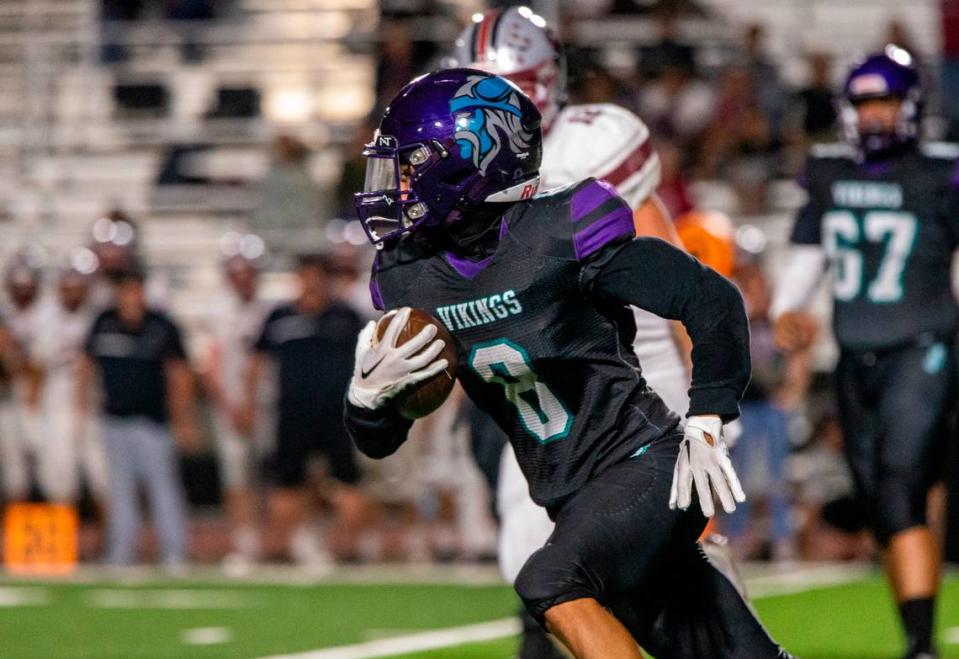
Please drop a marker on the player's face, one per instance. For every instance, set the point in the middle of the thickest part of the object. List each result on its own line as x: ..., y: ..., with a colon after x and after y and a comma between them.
x: 878, y: 115
x: 73, y: 293
x: 314, y: 282
x: 243, y: 280
x: 131, y: 300
x: 22, y: 293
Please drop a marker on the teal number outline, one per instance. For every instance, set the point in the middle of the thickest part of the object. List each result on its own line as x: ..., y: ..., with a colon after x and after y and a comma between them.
x: 497, y: 380
x: 864, y: 285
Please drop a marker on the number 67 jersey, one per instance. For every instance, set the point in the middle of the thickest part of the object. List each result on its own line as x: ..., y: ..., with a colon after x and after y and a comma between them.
x: 889, y: 229
x: 554, y: 368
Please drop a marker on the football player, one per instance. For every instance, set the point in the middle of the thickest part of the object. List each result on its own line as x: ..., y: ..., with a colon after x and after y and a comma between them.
x: 601, y: 140
x: 536, y: 291
x: 883, y: 210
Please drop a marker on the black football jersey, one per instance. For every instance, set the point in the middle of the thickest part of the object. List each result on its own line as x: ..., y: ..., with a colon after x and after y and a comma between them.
x: 889, y: 229
x: 553, y: 367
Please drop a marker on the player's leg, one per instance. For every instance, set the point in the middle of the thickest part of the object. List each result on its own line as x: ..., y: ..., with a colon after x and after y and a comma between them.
x: 287, y: 500
x: 157, y: 463
x: 123, y: 524
x: 607, y: 539
x: 590, y: 631
x: 524, y: 528
x: 690, y: 607
x: 348, y: 500
x: 13, y: 453
x: 234, y: 453
x: 58, y: 469
x: 919, y: 385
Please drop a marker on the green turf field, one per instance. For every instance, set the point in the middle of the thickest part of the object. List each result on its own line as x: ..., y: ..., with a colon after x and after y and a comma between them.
x: 217, y: 618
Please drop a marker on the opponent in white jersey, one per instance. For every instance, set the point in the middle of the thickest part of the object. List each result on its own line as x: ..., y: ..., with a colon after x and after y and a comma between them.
x: 233, y: 325
x: 19, y: 411
x: 599, y: 140
x: 70, y: 442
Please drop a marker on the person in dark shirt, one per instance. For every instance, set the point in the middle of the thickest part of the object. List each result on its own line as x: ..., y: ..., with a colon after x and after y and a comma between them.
x: 147, y: 390
x: 883, y: 213
x: 311, y: 340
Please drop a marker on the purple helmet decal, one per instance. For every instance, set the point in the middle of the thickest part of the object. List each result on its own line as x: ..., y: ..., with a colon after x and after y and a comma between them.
x: 890, y: 74
x: 448, y: 141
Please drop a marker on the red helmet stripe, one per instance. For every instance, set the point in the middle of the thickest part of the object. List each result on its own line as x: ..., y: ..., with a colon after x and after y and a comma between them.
x: 631, y: 164
x: 484, y: 39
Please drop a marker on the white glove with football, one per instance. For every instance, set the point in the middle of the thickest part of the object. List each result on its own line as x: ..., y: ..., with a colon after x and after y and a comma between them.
x: 384, y: 370
x: 704, y: 460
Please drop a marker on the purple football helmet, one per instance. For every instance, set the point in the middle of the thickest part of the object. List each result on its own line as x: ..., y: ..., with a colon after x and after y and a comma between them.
x: 890, y: 74
x: 449, y: 140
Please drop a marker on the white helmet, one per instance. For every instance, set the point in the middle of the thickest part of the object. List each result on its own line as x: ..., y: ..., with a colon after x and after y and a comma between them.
x: 516, y: 44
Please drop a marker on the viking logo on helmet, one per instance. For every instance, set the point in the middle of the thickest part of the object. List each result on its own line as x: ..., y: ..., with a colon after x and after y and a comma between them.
x: 487, y: 111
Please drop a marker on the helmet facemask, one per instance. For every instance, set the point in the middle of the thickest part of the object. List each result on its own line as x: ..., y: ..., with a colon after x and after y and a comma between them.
x: 389, y: 206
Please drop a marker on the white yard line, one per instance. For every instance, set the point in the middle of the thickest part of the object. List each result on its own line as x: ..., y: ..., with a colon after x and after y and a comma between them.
x: 804, y: 579
x: 770, y: 585
x: 951, y: 636
x: 419, y: 642
x: 106, y: 598
x: 13, y: 597
x: 206, y: 636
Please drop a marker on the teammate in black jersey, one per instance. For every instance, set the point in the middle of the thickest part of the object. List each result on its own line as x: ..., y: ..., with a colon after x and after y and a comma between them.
x: 535, y: 290
x: 883, y: 210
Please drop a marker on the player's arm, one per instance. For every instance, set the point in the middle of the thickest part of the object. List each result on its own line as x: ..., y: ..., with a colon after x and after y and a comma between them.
x: 181, y: 394
x: 653, y: 275
x: 652, y: 219
x: 382, y: 371
x: 794, y: 328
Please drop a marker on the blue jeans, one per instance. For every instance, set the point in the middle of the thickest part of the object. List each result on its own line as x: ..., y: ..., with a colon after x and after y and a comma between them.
x: 765, y: 434
x: 141, y: 452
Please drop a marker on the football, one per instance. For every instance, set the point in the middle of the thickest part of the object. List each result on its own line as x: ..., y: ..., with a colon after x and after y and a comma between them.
x: 429, y: 395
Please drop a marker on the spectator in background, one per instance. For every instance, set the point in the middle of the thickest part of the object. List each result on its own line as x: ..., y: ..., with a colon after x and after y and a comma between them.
x: 312, y: 341
x: 817, y: 101
x: 770, y: 93
x: 234, y: 324
x: 70, y: 444
x: 401, y: 58
x: 775, y: 392
x: 185, y: 12
x: 147, y: 392
x: 673, y: 190
x: 289, y: 198
x: 668, y: 52
x: 740, y: 145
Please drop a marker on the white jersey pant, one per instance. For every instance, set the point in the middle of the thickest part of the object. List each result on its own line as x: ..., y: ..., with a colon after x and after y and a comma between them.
x: 525, y: 526
x: 67, y: 445
x: 234, y: 452
x: 14, y: 452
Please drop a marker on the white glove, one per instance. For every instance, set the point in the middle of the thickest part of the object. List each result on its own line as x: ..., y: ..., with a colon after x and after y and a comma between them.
x: 385, y: 370
x: 703, y: 459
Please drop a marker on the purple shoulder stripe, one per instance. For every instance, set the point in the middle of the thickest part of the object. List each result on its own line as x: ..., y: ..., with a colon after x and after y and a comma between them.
x: 589, y: 197
x: 613, y: 226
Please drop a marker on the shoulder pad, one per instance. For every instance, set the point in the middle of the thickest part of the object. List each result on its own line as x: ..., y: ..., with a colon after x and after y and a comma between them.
x: 603, y: 141
x: 941, y: 150
x: 598, y: 216
x: 832, y: 150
